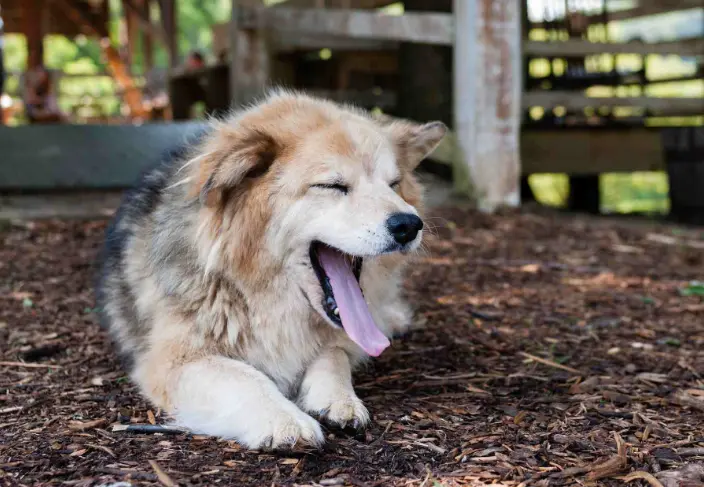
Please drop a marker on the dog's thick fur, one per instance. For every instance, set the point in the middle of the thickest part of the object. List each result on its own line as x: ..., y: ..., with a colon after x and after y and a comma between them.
x: 206, y: 283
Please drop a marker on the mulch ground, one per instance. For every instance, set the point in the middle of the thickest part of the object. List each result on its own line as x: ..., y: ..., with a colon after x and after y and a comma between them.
x: 549, y: 351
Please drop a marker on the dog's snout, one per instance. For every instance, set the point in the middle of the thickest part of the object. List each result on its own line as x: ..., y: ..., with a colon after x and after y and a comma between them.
x: 404, y: 227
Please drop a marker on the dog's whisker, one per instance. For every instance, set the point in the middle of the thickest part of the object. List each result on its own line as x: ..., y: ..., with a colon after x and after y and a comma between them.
x: 180, y: 183
x: 190, y: 162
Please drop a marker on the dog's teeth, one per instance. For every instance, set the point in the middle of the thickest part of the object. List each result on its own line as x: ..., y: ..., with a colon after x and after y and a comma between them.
x: 336, y: 311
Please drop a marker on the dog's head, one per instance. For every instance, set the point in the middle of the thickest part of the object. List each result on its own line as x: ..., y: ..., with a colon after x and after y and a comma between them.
x: 314, y: 189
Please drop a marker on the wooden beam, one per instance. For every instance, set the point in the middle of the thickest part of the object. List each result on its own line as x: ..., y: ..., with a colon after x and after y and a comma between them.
x: 578, y: 47
x: 652, y: 7
x: 356, y: 4
x: 578, y: 101
x: 428, y: 28
x: 281, y: 42
x: 289, y: 41
x: 579, y: 151
x: 487, y: 97
x: 590, y: 151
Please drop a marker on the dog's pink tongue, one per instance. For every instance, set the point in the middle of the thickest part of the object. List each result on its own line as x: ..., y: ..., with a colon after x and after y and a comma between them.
x: 356, y: 318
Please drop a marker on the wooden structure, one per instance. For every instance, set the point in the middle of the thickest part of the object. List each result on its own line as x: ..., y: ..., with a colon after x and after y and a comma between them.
x: 489, y: 150
x: 37, y: 18
x: 494, y: 141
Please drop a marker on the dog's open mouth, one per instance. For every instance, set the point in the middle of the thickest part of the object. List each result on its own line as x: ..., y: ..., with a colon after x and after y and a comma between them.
x: 343, y: 301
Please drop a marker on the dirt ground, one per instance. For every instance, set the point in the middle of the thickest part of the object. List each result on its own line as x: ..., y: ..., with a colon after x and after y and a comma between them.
x: 548, y: 350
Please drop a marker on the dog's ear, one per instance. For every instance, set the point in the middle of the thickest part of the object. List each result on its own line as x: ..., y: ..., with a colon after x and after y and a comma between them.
x: 415, y: 141
x: 233, y: 157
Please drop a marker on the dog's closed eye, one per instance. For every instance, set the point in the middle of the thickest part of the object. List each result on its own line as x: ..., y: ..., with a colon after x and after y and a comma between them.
x: 335, y: 186
x: 395, y: 184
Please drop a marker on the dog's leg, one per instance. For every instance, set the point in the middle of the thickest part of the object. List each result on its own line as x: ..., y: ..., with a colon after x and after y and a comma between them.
x: 223, y: 397
x: 327, y: 391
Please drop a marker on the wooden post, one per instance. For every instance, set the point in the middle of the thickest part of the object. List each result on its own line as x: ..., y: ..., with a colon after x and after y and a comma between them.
x: 249, y: 55
x: 131, y: 34
x: 32, y: 28
x: 584, y: 188
x: 168, y: 21
x: 487, y: 98
x: 147, y: 40
x: 233, y: 53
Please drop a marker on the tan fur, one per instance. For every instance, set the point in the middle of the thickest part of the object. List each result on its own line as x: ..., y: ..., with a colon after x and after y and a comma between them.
x: 228, y: 310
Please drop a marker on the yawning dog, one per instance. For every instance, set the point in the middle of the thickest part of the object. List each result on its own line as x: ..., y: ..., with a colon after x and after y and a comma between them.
x: 245, y: 278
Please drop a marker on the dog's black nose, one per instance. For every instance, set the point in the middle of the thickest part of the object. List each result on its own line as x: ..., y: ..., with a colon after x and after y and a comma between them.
x: 404, y: 227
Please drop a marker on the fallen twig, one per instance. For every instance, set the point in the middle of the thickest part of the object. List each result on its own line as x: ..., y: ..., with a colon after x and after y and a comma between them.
x: 161, y: 475
x: 148, y: 429
x: 643, y: 476
x: 430, y: 446
x: 132, y: 474
x: 102, y: 448
x: 549, y: 363
x: 613, y: 414
x: 11, y: 409
x: 30, y: 365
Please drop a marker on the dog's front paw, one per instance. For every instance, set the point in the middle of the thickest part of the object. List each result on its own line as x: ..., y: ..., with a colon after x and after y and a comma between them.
x: 290, y: 430
x: 343, y: 409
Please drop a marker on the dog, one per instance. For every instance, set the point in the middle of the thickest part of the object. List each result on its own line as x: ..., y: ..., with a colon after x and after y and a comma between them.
x: 243, y: 279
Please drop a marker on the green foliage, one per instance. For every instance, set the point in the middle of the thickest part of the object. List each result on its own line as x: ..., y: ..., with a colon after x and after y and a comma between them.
x: 643, y: 192
x: 694, y: 288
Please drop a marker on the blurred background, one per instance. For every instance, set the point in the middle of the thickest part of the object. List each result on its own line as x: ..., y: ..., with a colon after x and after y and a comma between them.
x: 117, y: 62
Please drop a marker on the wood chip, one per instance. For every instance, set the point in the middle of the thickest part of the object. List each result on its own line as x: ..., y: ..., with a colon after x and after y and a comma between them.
x: 161, y: 475
x: 684, y: 399
x: 613, y: 465
x: 691, y: 452
x: 82, y: 426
